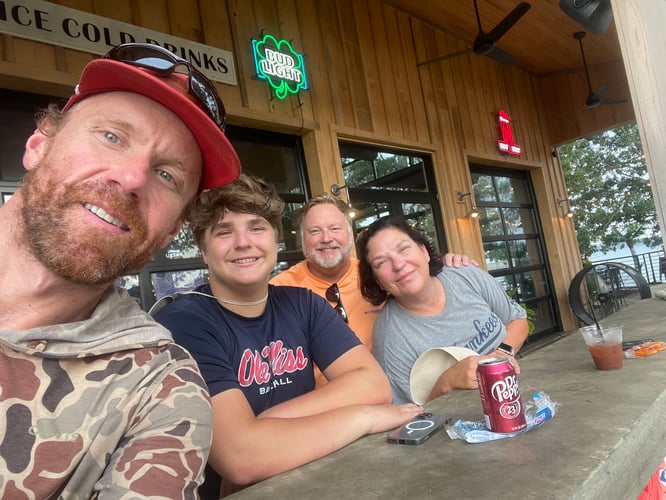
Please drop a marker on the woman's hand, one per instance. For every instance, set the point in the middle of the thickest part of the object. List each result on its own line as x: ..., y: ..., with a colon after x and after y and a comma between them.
x: 462, y: 375
x: 501, y: 354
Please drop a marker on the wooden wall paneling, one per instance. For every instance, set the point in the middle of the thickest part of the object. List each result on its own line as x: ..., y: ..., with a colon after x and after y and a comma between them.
x: 290, y: 25
x: 84, y: 5
x: 382, y: 45
x: 431, y: 87
x: 561, y: 95
x: 319, y: 143
x: 7, y: 48
x: 489, y: 93
x: 452, y: 136
x: 482, y: 90
x: 284, y: 15
x: 584, y: 117
x: 421, y: 132
x: 185, y: 20
x: 268, y: 20
x: 244, y: 24
x: 218, y: 32
x: 334, y: 51
x: 320, y: 94
x: 564, y: 97
x: 478, y: 94
x: 120, y: 10
x: 461, y: 77
x: 374, y: 73
x: 355, y: 72
x: 151, y: 14
x: 27, y: 52
x: 512, y: 102
x: 436, y: 114
x: 397, y: 74
x: 524, y: 120
x: 496, y: 93
x: 542, y: 145
x: 550, y: 97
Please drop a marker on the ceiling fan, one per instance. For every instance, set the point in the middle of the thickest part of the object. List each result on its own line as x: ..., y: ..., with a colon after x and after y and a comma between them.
x: 593, y: 98
x: 486, y: 43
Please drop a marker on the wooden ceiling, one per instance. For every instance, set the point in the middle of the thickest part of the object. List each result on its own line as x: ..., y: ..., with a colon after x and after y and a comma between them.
x: 542, y: 40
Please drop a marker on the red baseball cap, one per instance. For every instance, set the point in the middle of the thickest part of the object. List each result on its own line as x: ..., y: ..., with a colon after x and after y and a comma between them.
x: 220, y: 161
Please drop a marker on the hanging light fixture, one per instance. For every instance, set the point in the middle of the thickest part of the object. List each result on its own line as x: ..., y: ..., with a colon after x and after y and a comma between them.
x: 560, y: 202
x: 335, y: 191
x: 474, y: 212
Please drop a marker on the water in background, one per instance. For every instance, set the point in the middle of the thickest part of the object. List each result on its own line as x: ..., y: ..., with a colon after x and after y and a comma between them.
x: 648, y: 264
x: 622, y: 251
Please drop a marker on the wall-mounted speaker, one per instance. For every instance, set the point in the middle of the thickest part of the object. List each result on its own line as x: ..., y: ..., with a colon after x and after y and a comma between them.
x: 594, y: 15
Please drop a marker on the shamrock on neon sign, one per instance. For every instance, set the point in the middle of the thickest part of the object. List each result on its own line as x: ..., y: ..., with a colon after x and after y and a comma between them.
x: 278, y: 63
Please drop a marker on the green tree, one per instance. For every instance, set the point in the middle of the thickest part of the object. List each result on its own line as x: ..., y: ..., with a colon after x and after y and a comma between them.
x: 609, y: 190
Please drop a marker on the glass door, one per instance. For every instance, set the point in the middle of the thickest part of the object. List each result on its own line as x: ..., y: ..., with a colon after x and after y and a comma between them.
x: 513, y: 245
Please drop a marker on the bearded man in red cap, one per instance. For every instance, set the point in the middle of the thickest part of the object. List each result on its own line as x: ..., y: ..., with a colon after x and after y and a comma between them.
x: 95, y: 398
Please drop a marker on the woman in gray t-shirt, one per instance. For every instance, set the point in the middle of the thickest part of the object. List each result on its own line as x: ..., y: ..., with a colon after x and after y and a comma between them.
x: 428, y: 305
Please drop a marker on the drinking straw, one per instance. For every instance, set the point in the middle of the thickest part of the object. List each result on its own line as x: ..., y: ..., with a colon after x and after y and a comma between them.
x: 594, y: 317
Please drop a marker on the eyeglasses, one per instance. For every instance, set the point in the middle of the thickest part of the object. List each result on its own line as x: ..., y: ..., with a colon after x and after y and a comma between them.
x: 164, y: 63
x: 333, y: 295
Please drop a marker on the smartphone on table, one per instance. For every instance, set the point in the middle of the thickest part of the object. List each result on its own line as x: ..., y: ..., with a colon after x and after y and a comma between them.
x: 419, y: 429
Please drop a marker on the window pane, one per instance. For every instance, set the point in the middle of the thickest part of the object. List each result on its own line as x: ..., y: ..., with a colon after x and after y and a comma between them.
x: 519, y: 220
x: 272, y: 162
x: 496, y: 255
x: 170, y: 282
x: 17, y: 122
x: 183, y: 246
x: 490, y: 221
x: 543, y: 318
x: 367, y: 213
x: 131, y: 284
x: 421, y: 217
x: 505, y: 282
x: 524, y: 253
x: 512, y: 221
x: 368, y: 167
x: 291, y: 240
x: 512, y: 190
x: 531, y: 284
x: 484, y: 190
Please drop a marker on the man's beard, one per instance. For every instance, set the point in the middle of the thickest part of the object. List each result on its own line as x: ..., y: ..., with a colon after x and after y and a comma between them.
x: 82, y: 255
x: 332, y: 261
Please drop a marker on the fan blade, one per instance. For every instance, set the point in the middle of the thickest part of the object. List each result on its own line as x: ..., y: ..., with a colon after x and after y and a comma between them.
x: 599, y: 94
x: 592, y: 102
x: 617, y: 100
x: 446, y: 56
x: 500, y: 55
x: 594, y: 98
x: 486, y: 47
x: 511, y: 19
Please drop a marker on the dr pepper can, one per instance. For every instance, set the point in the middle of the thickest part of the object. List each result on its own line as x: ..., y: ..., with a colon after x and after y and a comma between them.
x: 500, y: 395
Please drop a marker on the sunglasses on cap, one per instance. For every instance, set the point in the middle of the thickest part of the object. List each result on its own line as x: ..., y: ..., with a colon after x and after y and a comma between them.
x: 333, y: 295
x: 164, y: 63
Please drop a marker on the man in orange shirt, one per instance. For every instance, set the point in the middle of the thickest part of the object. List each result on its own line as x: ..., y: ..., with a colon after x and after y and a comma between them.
x: 329, y: 269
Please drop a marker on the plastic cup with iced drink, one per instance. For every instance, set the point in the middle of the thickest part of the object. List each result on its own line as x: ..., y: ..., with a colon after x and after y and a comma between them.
x: 605, y: 345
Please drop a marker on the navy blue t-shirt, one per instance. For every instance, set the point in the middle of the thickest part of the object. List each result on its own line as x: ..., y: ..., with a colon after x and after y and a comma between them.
x: 269, y: 357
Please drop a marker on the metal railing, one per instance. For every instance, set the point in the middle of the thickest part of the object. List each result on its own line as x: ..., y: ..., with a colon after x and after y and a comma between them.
x: 652, y: 265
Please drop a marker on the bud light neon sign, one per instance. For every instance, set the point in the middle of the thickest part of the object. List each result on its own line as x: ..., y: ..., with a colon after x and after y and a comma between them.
x: 280, y: 65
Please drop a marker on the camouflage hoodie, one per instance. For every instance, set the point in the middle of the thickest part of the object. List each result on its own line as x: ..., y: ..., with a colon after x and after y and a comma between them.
x: 109, y: 407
